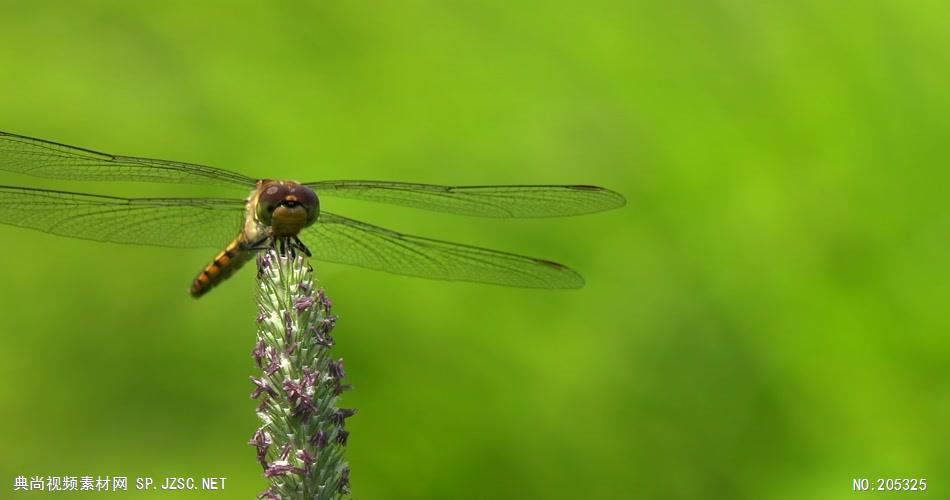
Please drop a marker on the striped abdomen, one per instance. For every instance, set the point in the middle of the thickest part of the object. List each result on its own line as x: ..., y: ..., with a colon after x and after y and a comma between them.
x: 222, y: 267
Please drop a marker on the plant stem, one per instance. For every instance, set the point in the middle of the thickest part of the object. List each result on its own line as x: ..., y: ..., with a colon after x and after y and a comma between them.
x: 302, y: 436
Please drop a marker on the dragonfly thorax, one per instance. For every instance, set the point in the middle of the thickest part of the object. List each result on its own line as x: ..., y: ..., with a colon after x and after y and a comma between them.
x: 286, y: 207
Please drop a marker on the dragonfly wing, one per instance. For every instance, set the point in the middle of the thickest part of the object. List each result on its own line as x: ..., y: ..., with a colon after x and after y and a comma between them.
x: 169, y: 222
x: 39, y: 158
x: 346, y: 241
x: 481, y: 201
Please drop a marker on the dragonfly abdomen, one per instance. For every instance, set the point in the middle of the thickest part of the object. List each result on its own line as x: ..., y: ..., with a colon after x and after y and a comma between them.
x: 222, y: 267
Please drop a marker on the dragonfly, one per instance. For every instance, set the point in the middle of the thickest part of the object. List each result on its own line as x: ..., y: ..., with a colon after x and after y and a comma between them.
x: 281, y: 212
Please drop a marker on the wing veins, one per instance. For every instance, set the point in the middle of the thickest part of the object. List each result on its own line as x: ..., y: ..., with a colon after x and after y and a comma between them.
x: 169, y: 222
x: 43, y: 158
x: 430, y: 258
x: 481, y: 200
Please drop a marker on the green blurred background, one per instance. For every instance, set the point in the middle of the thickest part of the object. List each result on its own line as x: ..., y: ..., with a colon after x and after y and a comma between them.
x: 765, y: 319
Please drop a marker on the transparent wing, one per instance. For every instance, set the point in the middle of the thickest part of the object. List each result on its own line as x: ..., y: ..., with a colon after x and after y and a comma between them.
x: 26, y: 155
x: 481, y: 201
x: 170, y: 222
x: 339, y: 239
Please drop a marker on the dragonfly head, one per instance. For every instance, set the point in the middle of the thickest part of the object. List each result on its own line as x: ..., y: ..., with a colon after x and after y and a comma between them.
x: 287, y: 207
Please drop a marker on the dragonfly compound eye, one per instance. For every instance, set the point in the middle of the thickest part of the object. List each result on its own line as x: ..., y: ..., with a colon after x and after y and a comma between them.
x: 269, y: 199
x: 307, y: 199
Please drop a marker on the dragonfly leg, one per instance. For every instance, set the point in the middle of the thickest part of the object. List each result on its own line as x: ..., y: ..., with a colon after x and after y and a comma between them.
x: 302, y: 247
x: 278, y: 245
x: 261, y: 244
x: 284, y: 246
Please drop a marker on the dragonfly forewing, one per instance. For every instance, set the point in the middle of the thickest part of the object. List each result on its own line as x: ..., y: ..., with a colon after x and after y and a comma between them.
x: 40, y: 158
x: 480, y: 201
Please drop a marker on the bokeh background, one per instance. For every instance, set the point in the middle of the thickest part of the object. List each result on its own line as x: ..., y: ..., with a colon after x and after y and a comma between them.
x: 765, y: 319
